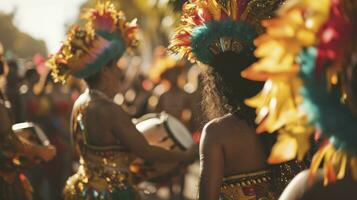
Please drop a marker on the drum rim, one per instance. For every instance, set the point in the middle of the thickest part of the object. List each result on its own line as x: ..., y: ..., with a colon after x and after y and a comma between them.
x: 146, y: 117
x: 164, y: 117
x: 39, y: 132
x: 170, y: 132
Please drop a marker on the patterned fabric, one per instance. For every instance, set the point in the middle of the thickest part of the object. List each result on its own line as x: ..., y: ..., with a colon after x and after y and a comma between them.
x: 257, y: 186
x: 261, y: 185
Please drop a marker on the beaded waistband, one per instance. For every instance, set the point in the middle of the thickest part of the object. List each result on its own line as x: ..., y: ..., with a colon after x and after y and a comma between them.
x: 248, y: 178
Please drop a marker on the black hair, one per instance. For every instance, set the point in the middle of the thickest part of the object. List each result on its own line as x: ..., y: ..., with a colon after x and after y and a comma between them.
x: 13, y: 79
x: 93, y: 79
x: 31, y: 76
x: 2, y: 66
x: 224, y: 90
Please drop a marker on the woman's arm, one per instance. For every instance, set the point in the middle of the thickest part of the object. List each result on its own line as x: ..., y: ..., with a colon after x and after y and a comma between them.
x: 211, y: 165
x: 136, y: 142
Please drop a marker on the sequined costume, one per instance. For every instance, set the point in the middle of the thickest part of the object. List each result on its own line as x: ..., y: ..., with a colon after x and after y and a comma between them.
x: 13, y: 183
x: 261, y: 185
x: 104, y: 170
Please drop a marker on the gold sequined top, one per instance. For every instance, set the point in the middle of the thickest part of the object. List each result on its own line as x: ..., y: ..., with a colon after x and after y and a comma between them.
x: 103, y: 172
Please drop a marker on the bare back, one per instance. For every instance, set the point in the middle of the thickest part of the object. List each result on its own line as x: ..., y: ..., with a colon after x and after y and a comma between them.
x: 107, y: 125
x: 97, y: 120
x: 242, y: 148
x: 229, y: 146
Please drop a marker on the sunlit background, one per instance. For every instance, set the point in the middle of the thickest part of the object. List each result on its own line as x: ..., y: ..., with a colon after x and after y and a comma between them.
x: 30, y: 26
x: 42, y: 19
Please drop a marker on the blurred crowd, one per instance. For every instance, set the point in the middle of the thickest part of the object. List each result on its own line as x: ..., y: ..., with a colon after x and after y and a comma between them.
x: 168, y: 86
x: 84, y: 139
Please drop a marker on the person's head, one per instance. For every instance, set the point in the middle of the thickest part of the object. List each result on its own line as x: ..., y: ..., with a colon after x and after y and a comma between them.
x: 92, y: 52
x: 13, y: 79
x: 108, y: 75
x: 224, y: 90
x: 221, y: 36
x: 31, y: 77
x: 3, y: 64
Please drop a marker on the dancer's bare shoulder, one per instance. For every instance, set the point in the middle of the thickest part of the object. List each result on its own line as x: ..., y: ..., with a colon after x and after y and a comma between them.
x: 220, y: 127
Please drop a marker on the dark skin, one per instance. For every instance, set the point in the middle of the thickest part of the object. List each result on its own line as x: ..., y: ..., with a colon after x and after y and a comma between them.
x: 228, y: 147
x: 301, y: 188
x: 107, y: 122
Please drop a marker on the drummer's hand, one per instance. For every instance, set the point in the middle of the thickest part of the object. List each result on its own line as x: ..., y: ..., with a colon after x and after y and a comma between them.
x: 47, y: 153
x: 192, y: 153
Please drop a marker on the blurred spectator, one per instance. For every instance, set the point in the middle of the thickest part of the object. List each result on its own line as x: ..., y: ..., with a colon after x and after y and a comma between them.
x: 169, y: 96
x: 174, y: 100
x: 135, y: 88
x: 13, y: 93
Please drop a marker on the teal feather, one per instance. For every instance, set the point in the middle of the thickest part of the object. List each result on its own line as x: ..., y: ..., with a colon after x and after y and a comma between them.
x: 203, y: 36
x: 325, y: 111
x: 115, y: 50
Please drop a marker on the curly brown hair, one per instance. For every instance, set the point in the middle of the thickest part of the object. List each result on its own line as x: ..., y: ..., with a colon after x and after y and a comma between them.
x: 224, y: 90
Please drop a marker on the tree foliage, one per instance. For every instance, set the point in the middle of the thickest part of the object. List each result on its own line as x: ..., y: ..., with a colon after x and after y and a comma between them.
x: 19, y: 43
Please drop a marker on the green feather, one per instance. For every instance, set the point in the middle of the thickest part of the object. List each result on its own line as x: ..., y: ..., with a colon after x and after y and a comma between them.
x: 203, y: 36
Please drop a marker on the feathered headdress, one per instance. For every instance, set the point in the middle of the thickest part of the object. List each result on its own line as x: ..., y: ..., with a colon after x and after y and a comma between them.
x: 209, y: 27
x: 303, y: 59
x: 106, y: 36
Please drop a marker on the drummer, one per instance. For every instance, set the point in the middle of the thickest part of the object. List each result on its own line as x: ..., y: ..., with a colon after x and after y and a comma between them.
x: 105, y: 137
x: 13, y: 183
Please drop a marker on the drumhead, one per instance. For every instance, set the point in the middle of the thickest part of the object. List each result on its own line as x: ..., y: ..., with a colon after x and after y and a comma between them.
x: 173, y: 126
x: 179, y: 131
x: 147, y: 121
x: 37, y: 130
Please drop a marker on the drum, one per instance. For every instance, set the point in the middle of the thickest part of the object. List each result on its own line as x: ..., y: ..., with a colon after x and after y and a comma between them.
x: 165, y: 131
x: 31, y: 132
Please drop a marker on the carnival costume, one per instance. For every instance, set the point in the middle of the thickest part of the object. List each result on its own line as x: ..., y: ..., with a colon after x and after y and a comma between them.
x: 104, y: 170
x: 308, y: 60
x: 209, y: 27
